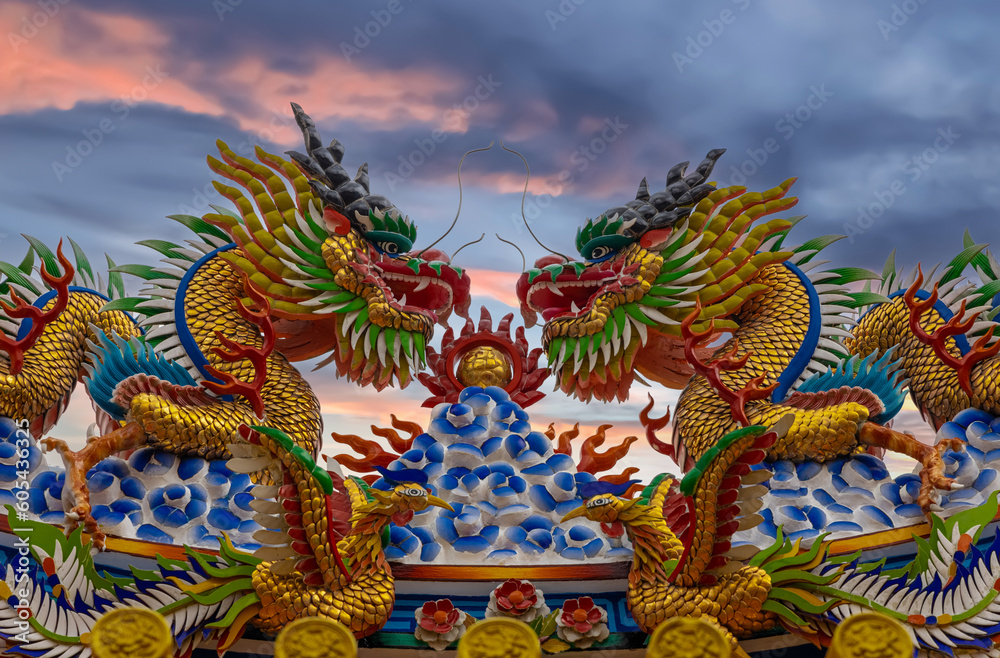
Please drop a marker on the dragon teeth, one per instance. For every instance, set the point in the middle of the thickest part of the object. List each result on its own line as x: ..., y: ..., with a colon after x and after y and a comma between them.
x: 573, y: 308
x: 424, y: 282
x: 554, y: 289
x: 402, y: 300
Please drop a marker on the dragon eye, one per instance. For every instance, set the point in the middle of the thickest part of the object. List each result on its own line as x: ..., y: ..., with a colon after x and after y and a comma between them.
x: 597, y: 502
x: 602, y: 253
x: 387, y: 247
x: 413, y: 491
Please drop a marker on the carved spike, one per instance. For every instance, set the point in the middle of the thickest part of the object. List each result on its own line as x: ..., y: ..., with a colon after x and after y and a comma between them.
x: 310, y: 134
x: 362, y: 177
x: 643, y: 193
x: 676, y: 172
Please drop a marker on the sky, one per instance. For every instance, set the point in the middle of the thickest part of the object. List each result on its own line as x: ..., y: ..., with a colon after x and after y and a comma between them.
x: 886, y: 112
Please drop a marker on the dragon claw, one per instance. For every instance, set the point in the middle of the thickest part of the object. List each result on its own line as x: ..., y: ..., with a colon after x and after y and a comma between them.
x: 931, y: 458
x: 932, y: 477
x: 76, y: 494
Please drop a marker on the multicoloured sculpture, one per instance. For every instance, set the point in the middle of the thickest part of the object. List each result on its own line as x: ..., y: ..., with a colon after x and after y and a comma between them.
x: 666, y: 274
x: 681, y: 534
x: 202, y: 467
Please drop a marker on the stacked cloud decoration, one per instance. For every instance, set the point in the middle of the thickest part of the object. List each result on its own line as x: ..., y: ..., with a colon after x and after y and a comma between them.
x: 858, y: 495
x: 151, y: 496
x: 507, y: 485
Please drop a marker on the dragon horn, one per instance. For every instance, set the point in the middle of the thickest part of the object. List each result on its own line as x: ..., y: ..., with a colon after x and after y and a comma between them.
x: 643, y: 193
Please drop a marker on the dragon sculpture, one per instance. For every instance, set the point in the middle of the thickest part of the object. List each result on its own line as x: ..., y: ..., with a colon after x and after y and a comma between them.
x: 667, y: 275
x: 685, y: 564
x: 691, y: 287
x: 322, y: 556
x: 312, y: 263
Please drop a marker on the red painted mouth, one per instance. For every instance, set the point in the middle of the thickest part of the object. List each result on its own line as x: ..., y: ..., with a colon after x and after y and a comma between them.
x: 571, y: 293
x: 432, y: 287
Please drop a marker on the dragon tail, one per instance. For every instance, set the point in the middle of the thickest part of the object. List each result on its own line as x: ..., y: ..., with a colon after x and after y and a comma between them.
x: 946, y: 598
x: 57, y: 599
x: 796, y: 589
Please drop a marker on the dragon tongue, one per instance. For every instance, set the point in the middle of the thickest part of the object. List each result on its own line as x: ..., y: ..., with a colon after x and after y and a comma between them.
x: 402, y: 518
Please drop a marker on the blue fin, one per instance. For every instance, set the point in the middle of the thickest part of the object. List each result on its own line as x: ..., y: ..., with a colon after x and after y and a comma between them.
x: 116, y: 359
x: 883, y: 377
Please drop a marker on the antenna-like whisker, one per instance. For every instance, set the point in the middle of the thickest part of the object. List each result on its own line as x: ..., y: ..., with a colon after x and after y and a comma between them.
x: 525, y: 194
x: 479, y: 239
x: 459, y: 211
x: 524, y: 263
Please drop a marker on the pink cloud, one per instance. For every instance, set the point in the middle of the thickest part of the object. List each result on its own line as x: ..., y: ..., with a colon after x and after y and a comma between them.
x: 127, y: 57
x: 495, y: 284
x: 616, y: 182
x: 535, y: 117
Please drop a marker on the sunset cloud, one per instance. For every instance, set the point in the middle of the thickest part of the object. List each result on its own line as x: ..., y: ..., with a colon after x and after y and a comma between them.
x: 413, y: 100
x: 128, y: 60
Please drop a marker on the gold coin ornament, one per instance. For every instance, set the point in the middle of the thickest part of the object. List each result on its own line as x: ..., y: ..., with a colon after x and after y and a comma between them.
x: 688, y: 637
x: 315, y: 637
x: 499, y: 637
x: 132, y: 633
x: 870, y: 635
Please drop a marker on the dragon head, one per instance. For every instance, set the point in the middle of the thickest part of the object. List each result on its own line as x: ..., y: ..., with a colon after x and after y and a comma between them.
x: 645, y: 266
x: 337, y: 262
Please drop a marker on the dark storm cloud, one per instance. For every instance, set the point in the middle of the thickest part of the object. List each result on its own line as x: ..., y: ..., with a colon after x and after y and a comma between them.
x: 685, y: 80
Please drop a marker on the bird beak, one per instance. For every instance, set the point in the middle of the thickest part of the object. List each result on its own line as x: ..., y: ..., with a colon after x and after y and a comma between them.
x: 437, y: 502
x: 577, y: 513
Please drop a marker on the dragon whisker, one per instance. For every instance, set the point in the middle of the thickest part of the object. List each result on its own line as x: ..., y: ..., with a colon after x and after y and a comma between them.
x: 524, y: 194
x: 459, y: 211
x: 524, y: 263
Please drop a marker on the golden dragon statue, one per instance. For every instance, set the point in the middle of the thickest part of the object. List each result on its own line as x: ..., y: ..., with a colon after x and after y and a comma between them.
x: 321, y: 556
x: 668, y: 276
x: 685, y: 563
x: 311, y: 263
